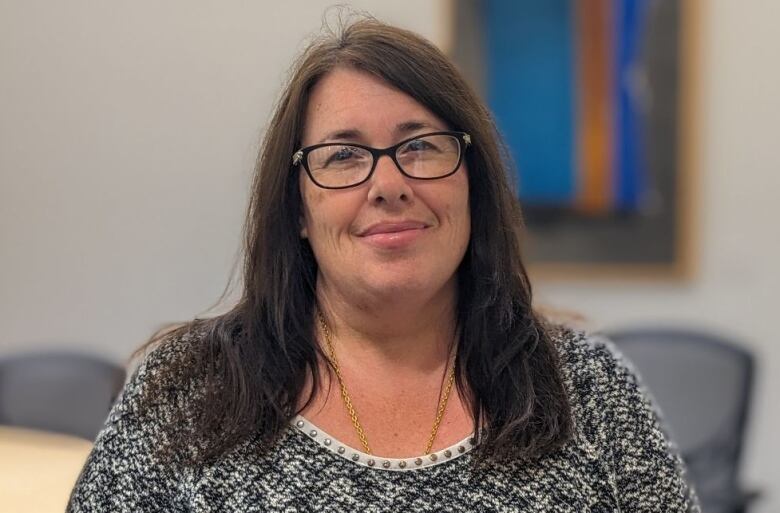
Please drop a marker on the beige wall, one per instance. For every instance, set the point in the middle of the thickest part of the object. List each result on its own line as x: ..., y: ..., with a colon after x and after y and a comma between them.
x: 128, y: 132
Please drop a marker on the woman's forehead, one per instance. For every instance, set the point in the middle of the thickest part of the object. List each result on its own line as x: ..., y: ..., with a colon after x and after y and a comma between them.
x: 351, y: 104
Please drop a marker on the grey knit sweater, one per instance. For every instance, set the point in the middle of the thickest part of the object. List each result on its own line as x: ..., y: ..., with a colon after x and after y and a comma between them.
x: 618, y: 460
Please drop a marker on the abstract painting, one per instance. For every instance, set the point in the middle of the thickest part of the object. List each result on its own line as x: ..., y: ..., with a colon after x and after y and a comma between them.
x: 591, y: 99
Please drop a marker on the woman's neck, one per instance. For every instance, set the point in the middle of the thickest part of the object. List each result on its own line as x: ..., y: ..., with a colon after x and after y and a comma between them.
x: 411, y: 335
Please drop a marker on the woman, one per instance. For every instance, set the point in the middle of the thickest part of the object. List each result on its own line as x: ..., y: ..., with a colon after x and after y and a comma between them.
x: 384, y: 353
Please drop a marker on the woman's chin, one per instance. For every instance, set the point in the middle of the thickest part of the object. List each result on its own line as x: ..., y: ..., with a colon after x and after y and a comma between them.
x: 410, y: 288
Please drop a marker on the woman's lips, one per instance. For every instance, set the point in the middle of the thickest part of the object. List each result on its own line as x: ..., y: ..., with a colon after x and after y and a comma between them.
x: 393, y: 235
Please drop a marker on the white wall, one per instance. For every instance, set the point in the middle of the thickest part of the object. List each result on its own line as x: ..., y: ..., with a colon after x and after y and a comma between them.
x: 127, y: 136
x: 128, y: 132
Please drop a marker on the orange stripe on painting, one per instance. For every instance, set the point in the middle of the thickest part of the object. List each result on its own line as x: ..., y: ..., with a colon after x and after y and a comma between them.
x: 593, y: 26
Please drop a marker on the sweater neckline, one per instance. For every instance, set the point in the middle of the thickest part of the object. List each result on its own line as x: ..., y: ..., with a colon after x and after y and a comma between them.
x: 344, y: 451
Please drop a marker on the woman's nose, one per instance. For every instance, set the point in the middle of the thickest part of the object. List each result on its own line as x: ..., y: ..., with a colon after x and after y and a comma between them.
x: 388, y: 185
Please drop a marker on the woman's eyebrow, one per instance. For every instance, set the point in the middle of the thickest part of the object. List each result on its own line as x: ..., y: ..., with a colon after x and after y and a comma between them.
x: 401, y: 129
x: 349, y: 133
x: 408, y: 127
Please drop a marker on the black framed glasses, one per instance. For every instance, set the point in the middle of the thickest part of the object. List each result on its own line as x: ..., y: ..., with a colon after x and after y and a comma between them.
x: 423, y: 157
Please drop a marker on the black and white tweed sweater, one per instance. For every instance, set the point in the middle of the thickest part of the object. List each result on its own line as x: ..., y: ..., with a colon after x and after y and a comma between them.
x: 619, y: 460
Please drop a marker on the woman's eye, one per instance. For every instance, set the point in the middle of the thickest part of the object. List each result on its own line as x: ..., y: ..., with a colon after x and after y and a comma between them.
x: 341, y: 155
x: 419, y: 147
x: 344, y: 153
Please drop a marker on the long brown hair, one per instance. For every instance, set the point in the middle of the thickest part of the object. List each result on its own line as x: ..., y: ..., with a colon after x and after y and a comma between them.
x: 250, y: 363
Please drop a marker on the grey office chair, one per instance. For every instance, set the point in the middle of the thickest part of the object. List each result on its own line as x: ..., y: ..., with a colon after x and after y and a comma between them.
x: 703, y: 385
x: 61, y: 392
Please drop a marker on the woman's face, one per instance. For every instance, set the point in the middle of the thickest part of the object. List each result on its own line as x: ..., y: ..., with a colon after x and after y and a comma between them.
x: 392, y: 237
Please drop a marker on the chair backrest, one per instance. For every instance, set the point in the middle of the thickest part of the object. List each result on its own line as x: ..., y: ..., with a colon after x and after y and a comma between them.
x: 61, y: 392
x: 702, y: 384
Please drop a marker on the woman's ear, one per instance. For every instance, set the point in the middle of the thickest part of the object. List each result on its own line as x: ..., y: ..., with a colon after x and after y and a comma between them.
x: 304, y: 231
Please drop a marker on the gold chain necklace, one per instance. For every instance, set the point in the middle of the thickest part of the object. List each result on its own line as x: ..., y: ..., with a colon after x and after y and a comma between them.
x: 351, y: 409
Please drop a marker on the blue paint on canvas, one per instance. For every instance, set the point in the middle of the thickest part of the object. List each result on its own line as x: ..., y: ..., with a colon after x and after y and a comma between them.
x: 630, y: 162
x: 530, y: 87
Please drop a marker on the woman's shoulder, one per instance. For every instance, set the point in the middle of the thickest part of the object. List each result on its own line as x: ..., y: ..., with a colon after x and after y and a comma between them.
x: 133, y: 465
x: 168, y: 348
x: 603, y: 386
x: 161, y: 374
x: 582, y: 349
x: 615, y: 416
x: 593, y: 368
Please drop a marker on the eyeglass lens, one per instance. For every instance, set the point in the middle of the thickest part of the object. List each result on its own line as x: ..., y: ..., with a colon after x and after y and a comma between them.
x: 342, y: 165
